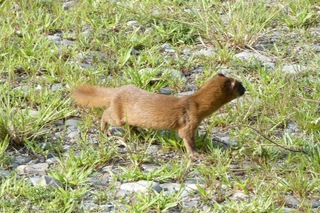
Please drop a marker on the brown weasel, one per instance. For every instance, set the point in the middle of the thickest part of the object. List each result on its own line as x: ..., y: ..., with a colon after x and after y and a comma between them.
x: 139, y: 108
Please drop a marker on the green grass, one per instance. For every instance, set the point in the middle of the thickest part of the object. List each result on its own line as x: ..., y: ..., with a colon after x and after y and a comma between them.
x: 106, y: 34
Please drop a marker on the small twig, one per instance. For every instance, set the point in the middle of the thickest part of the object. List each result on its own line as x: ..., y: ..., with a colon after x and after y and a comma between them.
x: 271, y: 141
x: 309, y: 100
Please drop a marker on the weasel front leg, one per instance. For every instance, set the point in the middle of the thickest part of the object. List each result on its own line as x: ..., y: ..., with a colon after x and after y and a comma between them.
x: 188, y: 137
x: 104, y: 122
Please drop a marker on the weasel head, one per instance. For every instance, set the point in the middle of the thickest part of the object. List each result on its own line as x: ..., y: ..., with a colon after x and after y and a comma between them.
x: 232, y: 87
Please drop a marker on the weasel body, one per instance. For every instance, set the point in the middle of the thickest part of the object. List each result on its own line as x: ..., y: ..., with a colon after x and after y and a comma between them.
x: 139, y: 108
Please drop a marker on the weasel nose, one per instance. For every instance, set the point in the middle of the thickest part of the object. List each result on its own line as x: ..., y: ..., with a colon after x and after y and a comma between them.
x: 241, y: 89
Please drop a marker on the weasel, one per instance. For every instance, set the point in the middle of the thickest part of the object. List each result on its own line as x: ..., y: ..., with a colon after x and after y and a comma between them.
x: 139, y: 108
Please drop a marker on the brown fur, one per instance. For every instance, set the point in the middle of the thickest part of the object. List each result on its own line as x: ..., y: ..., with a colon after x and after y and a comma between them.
x: 136, y: 107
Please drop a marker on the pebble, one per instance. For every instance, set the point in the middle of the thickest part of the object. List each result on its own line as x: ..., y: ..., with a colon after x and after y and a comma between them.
x: 150, y: 167
x: 45, y: 181
x: 190, y: 203
x: 207, y: 52
x: 72, y: 122
x: 248, y: 55
x: 165, y: 91
x: 291, y: 201
x: 39, y: 169
x: 293, y: 69
x: 141, y: 186
x: 238, y: 196
x: 92, y: 207
x: 315, y: 204
x: 167, y: 48
x: 222, y: 139
x: 73, y: 135
x: 55, y: 38
x: 55, y: 87
x: 153, y: 149
x: 4, y: 174
x: 52, y: 160
x: 171, y: 188
x: 68, y: 4
x: 20, y: 160
x: 197, y: 70
x: 292, y: 127
x: 117, y: 131
x: 269, y: 65
x: 175, y: 74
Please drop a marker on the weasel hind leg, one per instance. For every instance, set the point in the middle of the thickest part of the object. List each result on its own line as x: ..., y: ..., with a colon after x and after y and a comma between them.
x: 109, y: 117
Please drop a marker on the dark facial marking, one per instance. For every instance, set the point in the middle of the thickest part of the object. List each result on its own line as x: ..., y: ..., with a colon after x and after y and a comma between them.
x: 240, y: 88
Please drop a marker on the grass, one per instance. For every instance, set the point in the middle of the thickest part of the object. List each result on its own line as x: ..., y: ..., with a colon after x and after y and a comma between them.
x: 116, y: 43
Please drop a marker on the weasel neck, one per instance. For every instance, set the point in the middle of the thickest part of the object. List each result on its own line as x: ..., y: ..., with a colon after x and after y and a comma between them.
x: 208, y: 100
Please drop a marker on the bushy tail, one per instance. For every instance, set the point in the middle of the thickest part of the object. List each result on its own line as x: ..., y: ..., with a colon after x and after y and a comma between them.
x: 92, y: 96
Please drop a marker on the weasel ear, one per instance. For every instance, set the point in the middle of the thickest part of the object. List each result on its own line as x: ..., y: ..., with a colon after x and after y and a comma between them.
x: 233, y: 84
x: 221, y: 75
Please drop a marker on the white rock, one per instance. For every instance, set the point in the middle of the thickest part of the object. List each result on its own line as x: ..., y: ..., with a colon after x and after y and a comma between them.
x: 238, y: 196
x: 45, y: 181
x: 141, y: 186
x: 293, y: 69
x: 39, y: 168
x: 247, y: 55
x: 150, y: 167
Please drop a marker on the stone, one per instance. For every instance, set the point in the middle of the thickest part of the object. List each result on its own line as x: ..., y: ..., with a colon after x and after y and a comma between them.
x: 248, y: 55
x: 97, y: 182
x: 195, y: 180
x: 165, y: 91
x: 66, y: 42
x: 316, y: 48
x: 55, y: 87
x: 117, y: 131
x: 197, y: 70
x: 222, y: 139
x: 73, y: 134
x: 269, y: 65
x: 45, y: 181
x: 291, y: 127
x: 52, y: 160
x: 238, y: 196
x: 176, y: 74
x: 55, y: 38
x: 293, y: 69
x: 141, y: 186
x: 39, y: 169
x: 72, y: 122
x: 315, y: 204
x: 190, y: 203
x: 153, y: 149
x: 174, y: 188
x: 132, y: 23
x: 68, y: 4
x: 291, y: 201
x: 4, y: 174
x: 167, y: 48
x: 207, y: 52
x: 92, y: 207
x: 288, y: 210
x: 31, y: 112
x: 149, y: 167
x: 21, y: 159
